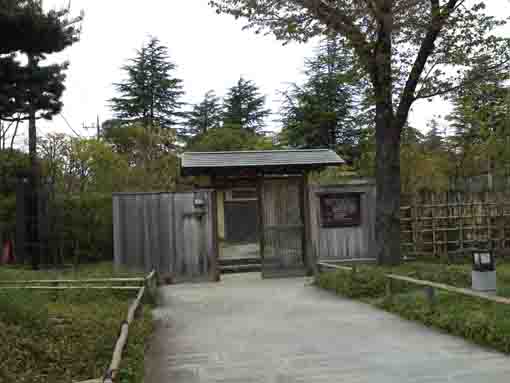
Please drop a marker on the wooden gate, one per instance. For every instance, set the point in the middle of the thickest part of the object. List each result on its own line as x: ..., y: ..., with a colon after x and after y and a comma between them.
x: 282, y: 223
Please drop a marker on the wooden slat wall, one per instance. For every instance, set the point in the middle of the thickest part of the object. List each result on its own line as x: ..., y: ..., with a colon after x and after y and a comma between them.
x: 165, y: 232
x: 343, y: 243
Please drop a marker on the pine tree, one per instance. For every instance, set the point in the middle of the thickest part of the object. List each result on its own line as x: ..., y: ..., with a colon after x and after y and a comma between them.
x: 32, y: 91
x: 481, y: 109
x: 204, y: 116
x: 244, y: 107
x: 433, y: 140
x: 322, y: 112
x: 150, y: 94
x: 34, y: 33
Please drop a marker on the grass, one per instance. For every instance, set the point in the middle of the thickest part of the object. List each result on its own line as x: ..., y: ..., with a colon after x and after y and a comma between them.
x: 67, y: 336
x: 480, y: 321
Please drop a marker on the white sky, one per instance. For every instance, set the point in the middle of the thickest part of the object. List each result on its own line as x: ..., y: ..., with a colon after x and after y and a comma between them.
x: 211, y: 52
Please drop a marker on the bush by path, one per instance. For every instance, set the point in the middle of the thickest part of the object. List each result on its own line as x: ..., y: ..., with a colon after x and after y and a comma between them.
x: 482, y: 322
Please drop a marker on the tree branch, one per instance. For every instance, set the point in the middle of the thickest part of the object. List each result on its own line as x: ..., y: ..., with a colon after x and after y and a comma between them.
x: 437, y: 21
x: 344, y: 24
x: 473, y: 79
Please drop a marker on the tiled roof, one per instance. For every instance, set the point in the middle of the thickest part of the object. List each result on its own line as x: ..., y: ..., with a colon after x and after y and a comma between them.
x: 265, y: 158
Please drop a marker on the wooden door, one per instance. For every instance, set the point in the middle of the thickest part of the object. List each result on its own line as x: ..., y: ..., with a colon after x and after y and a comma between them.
x: 282, y: 239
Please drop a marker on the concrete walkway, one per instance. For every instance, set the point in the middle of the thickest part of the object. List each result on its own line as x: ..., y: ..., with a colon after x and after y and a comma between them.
x: 249, y: 330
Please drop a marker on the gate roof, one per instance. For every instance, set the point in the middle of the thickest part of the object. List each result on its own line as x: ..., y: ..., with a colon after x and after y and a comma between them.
x: 265, y: 161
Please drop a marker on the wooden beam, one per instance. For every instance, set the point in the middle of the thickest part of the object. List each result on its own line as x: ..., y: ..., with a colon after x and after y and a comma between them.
x: 260, y: 198
x: 113, y: 370
x: 72, y: 281
x: 451, y: 289
x: 127, y: 288
x: 333, y: 266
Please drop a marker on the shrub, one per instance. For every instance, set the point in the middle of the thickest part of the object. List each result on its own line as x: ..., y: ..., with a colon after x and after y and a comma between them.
x: 482, y: 322
x: 367, y: 282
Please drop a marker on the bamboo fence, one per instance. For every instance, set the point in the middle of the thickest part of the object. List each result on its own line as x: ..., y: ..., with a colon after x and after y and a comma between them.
x: 453, y: 223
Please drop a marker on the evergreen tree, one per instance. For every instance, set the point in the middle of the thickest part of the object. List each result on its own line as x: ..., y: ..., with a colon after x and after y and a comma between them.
x: 433, y: 140
x: 481, y: 109
x: 32, y: 91
x: 204, y: 116
x: 244, y: 107
x: 322, y: 113
x: 150, y: 94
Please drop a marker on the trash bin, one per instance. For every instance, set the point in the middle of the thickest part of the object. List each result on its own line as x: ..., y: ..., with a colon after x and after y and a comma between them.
x: 484, y: 271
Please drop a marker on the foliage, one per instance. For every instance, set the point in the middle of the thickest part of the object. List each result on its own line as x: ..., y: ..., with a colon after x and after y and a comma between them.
x: 57, y: 337
x: 482, y: 322
x: 150, y: 94
x: 229, y: 138
x: 481, y: 123
x: 408, y: 49
x: 245, y: 107
x: 322, y: 113
x: 367, y: 283
x: 35, y: 33
x: 479, y: 321
x: 206, y: 115
x: 150, y: 154
x: 12, y: 163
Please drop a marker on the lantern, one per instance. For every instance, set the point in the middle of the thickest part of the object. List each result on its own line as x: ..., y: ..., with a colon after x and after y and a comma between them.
x: 483, y: 260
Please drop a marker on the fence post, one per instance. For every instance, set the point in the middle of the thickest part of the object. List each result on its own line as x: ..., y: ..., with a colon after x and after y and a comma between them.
x: 389, y: 289
x: 151, y: 284
x: 430, y: 293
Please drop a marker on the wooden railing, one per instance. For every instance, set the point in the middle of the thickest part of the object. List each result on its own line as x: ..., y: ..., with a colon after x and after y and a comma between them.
x: 73, y: 284
x: 429, y: 286
x: 149, y: 287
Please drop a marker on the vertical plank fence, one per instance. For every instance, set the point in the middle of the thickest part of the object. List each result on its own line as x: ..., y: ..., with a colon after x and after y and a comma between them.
x: 173, y: 233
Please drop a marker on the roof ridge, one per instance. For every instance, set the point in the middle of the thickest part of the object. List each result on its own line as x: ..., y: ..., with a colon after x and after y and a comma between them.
x: 264, y: 151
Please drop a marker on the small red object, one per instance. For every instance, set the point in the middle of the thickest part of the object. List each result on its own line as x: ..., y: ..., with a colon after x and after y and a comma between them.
x: 7, y: 253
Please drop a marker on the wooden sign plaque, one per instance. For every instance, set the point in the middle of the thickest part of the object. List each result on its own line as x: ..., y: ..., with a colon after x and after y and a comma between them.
x: 340, y: 209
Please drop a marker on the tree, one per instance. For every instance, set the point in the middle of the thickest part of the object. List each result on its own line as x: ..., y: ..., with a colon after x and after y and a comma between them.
x: 204, y: 116
x: 150, y: 94
x: 229, y: 139
x: 433, y: 140
x: 481, y: 124
x: 244, y: 107
x: 407, y: 48
x: 32, y: 91
x: 322, y: 112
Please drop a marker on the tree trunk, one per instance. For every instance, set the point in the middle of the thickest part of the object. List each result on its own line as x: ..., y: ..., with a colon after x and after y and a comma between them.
x: 33, y: 208
x: 387, y: 137
x: 388, y: 189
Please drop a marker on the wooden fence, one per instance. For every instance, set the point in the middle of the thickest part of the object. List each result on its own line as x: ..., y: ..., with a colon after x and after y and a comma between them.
x: 149, y: 287
x: 451, y: 223
x: 429, y: 286
x: 343, y: 242
x: 172, y: 233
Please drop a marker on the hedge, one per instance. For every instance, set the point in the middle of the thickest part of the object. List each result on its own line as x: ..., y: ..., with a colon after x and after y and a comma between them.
x: 485, y: 323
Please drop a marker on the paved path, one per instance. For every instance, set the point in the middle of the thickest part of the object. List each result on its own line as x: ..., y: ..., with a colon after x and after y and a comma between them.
x: 249, y: 330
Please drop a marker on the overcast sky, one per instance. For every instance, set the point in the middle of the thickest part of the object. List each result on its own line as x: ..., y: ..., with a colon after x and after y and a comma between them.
x: 211, y: 52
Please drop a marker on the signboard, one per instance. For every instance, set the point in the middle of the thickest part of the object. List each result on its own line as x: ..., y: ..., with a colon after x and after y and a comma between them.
x: 340, y: 209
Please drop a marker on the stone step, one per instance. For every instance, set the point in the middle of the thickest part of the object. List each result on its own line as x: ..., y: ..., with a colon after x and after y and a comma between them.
x: 245, y: 268
x: 239, y: 261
